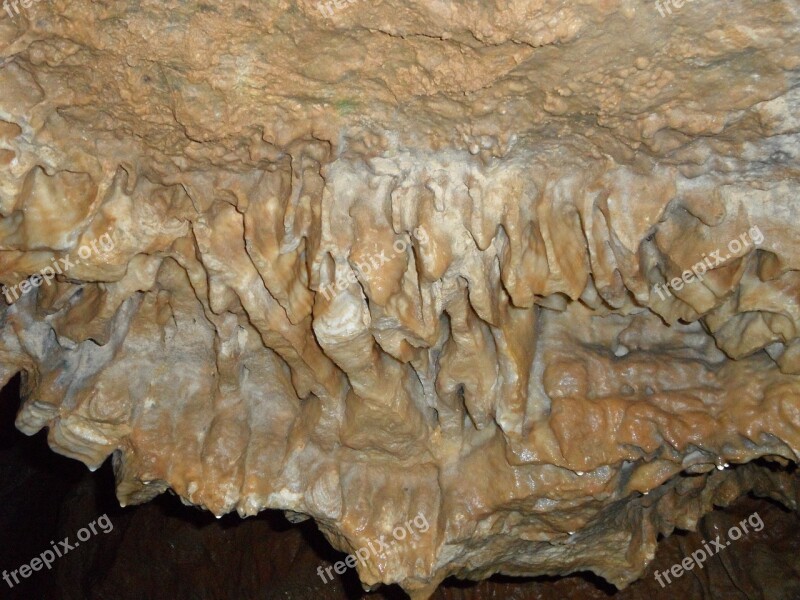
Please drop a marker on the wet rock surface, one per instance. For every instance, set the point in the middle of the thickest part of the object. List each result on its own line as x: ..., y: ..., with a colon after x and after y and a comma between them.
x: 526, y: 271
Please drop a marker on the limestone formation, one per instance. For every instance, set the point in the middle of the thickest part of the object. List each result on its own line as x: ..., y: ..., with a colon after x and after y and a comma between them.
x: 529, y: 268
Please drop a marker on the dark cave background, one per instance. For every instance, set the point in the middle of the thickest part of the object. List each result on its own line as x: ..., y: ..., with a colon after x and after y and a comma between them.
x: 164, y: 549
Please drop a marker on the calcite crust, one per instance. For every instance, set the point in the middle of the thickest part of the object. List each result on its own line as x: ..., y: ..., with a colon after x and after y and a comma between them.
x: 468, y: 260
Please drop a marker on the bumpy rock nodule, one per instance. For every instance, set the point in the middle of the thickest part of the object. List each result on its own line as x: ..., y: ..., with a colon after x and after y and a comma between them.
x: 528, y: 269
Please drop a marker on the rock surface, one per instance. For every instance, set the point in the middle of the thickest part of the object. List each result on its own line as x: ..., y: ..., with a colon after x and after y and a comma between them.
x: 396, y: 259
x: 161, y: 549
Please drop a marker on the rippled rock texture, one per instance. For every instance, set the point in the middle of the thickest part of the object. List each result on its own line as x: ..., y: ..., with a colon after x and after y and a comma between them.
x: 528, y: 269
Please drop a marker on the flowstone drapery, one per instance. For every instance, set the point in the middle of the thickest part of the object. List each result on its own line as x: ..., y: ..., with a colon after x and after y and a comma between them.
x: 529, y: 269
